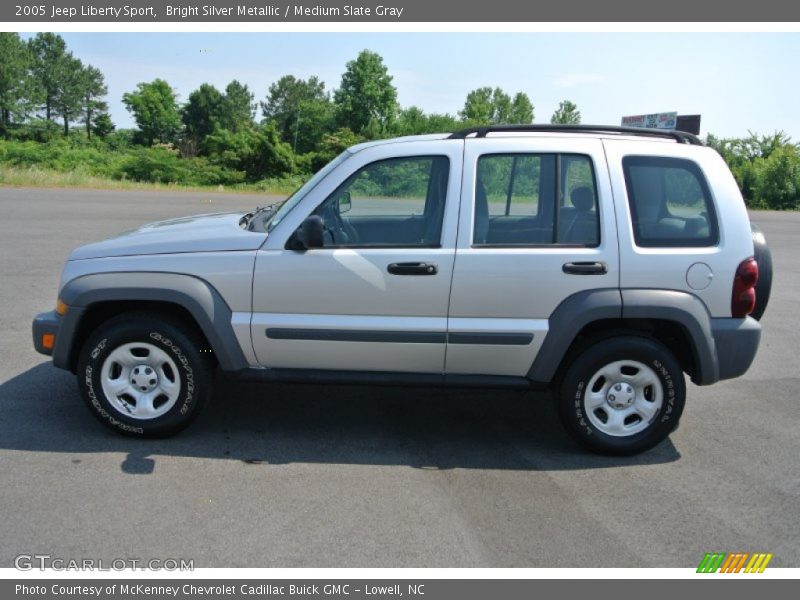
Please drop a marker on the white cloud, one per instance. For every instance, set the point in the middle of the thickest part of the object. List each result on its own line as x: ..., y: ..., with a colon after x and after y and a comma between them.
x: 575, y: 79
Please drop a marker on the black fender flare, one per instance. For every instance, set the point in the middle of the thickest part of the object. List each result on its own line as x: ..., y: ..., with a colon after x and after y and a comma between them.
x: 205, y: 304
x: 583, y: 308
x: 688, y: 311
x: 565, y: 323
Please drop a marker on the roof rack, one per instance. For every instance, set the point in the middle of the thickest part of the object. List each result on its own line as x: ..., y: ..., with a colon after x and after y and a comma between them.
x: 481, y: 131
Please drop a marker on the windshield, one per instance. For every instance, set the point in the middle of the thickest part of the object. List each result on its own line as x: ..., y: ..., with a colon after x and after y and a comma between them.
x: 301, y: 193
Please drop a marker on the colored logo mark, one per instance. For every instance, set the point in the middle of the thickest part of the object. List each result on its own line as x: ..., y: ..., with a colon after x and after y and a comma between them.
x: 736, y: 562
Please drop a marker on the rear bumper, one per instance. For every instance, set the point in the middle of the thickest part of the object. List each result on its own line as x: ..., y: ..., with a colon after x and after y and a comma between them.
x: 736, y: 342
x: 46, y: 323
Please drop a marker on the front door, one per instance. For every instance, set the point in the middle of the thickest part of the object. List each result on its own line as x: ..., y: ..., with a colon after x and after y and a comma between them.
x: 375, y: 297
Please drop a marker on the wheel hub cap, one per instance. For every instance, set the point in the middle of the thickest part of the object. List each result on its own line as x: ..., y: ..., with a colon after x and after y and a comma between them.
x: 620, y: 395
x: 623, y: 398
x: 143, y: 378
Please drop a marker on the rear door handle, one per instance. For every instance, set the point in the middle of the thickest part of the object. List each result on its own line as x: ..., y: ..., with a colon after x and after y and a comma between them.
x: 585, y: 268
x: 412, y: 268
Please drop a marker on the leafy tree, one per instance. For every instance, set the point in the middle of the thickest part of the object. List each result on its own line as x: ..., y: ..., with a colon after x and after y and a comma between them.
x: 443, y: 123
x: 238, y: 107
x: 567, y: 113
x: 154, y: 107
x: 410, y: 121
x: 413, y: 121
x: 300, y: 109
x: 479, y: 107
x: 14, y: 59
x: 102, y: 126
x: 333, y: 144
x: 69, y: 92
x: 765, y: 167
x: 258, y: 151
x: 202, y: 114
x: 777, y: 179
x: 502, y: 106
x: 49, y: 68
x: 487, y: 106
x: 521, y: 109
x: 366, y: 93
x: 762, y: 146
x: 92, y: 105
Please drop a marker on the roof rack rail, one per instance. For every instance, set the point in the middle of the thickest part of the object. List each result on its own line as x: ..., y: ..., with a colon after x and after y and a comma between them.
x: 481, y: 131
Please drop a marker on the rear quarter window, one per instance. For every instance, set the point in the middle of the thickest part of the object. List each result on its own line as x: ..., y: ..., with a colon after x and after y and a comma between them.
x: 670, y: 202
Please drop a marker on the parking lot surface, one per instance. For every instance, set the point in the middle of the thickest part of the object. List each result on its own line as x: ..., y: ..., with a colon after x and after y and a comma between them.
x: 339, y: 476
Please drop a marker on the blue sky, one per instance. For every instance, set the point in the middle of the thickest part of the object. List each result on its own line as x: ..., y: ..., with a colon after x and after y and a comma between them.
x: 737, y: 81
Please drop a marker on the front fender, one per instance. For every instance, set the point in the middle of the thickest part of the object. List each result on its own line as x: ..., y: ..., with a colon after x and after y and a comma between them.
x: 209, y: 310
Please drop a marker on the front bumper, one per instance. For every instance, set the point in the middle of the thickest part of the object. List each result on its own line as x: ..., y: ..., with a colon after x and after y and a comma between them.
x: 736, y: 342
x: 45, y: 324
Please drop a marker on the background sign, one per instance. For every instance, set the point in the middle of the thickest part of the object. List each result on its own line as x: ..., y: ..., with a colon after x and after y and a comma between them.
x: 665, y: 120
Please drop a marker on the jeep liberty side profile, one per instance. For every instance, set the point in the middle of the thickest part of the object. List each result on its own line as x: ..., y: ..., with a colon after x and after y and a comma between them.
x: 601, y: 262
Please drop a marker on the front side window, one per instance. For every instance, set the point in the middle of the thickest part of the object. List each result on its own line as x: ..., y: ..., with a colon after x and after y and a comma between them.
x: 670, y: 202
x: 535, y: 200
x: 393, y: 202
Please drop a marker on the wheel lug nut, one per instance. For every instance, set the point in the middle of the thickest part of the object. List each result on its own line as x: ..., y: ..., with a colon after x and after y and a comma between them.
x: 618, y: 387
x: 612, y: 397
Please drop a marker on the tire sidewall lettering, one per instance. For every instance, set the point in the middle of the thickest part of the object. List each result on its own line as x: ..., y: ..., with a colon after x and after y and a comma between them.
x: 669, y: 412
x: 94, y: 364
x: 183, y: 361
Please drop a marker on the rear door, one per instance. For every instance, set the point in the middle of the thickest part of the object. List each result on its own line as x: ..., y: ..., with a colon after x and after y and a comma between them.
x: 375, y: 297
x: 536, y: 226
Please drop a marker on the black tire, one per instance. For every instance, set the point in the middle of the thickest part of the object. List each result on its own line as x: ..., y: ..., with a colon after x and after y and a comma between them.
x: 181, y: 344
x: 763, y: 256
x: 587, y: 363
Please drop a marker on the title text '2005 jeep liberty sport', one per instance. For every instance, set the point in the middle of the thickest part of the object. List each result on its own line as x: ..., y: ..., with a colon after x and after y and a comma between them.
x: 602, y: 261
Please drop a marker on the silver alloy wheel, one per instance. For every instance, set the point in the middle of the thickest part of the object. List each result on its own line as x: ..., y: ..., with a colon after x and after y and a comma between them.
x: 140, y: 380
x: 623, y: 398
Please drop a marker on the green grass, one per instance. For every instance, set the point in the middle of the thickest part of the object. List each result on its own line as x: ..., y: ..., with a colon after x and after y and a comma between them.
x: 47, y: 178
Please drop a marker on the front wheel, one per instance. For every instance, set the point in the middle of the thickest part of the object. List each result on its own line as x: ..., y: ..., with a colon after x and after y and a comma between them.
x: 144, y: 376
x: 622, y: 395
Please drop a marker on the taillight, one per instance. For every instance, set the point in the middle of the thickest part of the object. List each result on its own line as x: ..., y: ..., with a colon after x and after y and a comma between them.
x: 743, y: 298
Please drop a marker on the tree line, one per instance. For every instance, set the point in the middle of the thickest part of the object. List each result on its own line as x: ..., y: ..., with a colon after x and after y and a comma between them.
x: 228, y: 136
x: 42, y: 79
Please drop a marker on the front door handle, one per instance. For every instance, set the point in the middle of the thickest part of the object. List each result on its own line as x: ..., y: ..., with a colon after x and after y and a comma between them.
x: 412, y: 268
x: 585, y: 268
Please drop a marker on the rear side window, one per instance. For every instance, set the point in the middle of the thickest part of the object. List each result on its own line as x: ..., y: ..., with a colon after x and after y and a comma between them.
x: 670, y: 202
x: 535, y: 200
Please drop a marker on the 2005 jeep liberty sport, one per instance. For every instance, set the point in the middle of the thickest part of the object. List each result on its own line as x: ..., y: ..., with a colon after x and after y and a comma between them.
x: 600, y: 261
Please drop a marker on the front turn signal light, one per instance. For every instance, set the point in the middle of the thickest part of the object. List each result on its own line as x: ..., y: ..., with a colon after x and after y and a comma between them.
x: 48, y: 341
x: 61, y: 308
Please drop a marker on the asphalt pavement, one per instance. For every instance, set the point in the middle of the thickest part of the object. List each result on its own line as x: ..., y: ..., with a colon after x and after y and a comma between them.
x: 338, y: 476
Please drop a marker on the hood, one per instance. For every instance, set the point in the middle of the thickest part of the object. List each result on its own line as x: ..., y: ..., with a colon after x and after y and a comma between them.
x: 200, y: 233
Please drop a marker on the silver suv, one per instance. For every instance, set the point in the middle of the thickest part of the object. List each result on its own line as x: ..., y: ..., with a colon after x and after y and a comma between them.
x: 601, y: 262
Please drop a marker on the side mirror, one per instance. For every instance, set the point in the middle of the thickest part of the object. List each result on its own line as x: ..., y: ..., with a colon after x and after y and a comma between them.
x: 345, y: 202
x: 308, y: 235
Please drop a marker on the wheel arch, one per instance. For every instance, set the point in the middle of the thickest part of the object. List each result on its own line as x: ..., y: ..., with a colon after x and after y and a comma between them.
x: 677, y: 319
x: 94, y: 298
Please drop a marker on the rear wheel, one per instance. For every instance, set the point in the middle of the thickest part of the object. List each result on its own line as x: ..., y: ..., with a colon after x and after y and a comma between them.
x: 144, y: 376
x: 622, y: 395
